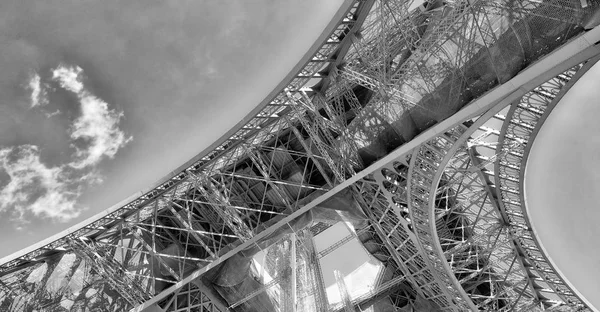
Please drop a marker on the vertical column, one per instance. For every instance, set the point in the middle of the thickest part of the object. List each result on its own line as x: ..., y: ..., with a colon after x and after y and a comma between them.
x: 317, y: 274
x: 294, y: 265
x: 348, y: 307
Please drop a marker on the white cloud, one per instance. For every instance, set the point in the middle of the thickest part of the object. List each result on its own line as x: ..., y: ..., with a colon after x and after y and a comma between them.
x: 97, y: 127
x: 54, y: 113
x: 36, y: 188
x: 69, y: 78
x: 38, y: 94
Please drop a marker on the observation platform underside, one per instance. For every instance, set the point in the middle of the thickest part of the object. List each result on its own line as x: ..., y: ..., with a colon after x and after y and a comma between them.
x: 408, y: 121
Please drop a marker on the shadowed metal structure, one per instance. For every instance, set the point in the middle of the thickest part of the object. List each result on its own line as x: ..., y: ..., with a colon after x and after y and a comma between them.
x: 407, y: 120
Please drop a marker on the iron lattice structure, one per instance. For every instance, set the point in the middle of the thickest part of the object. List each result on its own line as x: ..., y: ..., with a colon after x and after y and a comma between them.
x: 411, y: 120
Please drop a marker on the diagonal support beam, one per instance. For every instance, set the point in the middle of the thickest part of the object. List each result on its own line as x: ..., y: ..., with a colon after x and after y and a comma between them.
x: 558, y: 61
x: 151, y: 248
x: 222, y: 207
x: 491, y: 192
x: 111, y: 272
x: 189, y: 228
x: 264, y: 171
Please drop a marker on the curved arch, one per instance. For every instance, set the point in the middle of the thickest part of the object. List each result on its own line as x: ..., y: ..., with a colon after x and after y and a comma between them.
x: 423, y: 211
x: 424, y: 165
x: 431, y: 239
x: 174, y: 197
x: 518, y: 302
x: 522, y: 124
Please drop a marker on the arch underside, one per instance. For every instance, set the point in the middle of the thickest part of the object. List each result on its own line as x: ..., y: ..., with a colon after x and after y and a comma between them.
x: 465, y: 202
x: 391, y: 126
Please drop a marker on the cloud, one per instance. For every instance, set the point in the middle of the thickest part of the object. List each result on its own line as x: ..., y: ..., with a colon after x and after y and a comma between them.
x: 54, y: 113
x: 69, y: 78
x: 38, y: 93
x: 97, y: 126
x: 36, y: 188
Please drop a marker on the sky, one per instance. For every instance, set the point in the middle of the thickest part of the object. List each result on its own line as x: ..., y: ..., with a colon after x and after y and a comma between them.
x: 351, y: 259
x: 562, y: 186
x: 101, y: 99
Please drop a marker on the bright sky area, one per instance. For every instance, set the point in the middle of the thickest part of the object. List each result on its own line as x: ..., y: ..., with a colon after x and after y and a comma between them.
x: 100, y: 99
x: 562, y: 186
x: 358, y: 267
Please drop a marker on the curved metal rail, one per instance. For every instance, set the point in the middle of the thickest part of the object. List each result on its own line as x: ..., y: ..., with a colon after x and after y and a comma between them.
x: 421, y: 188
x: 522, y: 123
x: 215, y: 206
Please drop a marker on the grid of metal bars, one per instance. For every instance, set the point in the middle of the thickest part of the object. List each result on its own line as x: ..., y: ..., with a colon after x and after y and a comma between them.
x: 372, y: 90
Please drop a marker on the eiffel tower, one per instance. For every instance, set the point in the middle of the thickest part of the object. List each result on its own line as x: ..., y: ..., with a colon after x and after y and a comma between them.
x: 408, y: 121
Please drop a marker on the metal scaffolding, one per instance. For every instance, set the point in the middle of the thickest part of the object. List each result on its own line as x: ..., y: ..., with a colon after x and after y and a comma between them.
x: 409, y: 120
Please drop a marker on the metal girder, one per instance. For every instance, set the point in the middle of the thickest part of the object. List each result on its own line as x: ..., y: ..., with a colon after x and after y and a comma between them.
x: 69, y: 275
x: 526, y: 124
x: 434, y: 49
x: 220, y: 204
x: 529, y: 78
x: 5, y: 288
x: 492, y: 195
x: 319, y: 135
x: 339, y: 278
x: 224, y: 148
x: 192, y: 298
x: 190, y: 229
x: 421, y: 189
x: 258, y: 161
x: 401, y: 243
x: 471, y: 235
x: 315, y: 270
x: 255, y: 293
x: 40, y: 292
x: 516, y: 253
x: 152, y: 251
x: 103, y: 264
x: 379, y: 293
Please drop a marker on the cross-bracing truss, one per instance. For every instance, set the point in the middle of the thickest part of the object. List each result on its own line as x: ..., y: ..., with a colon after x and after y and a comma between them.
x: 410, y: 119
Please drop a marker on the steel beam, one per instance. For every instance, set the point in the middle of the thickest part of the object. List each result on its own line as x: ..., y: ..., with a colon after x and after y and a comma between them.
x: 266, y: 121
x: 574, y: 52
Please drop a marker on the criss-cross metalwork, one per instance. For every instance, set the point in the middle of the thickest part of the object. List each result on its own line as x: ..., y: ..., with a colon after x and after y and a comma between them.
x: 407, y: 120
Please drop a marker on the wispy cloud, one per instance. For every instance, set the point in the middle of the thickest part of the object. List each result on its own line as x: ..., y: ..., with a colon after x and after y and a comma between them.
x: 38, y: 93
x: 97, y: 127
x: 36, y: 188
x: 69, y: 78
x: 54, y: 113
